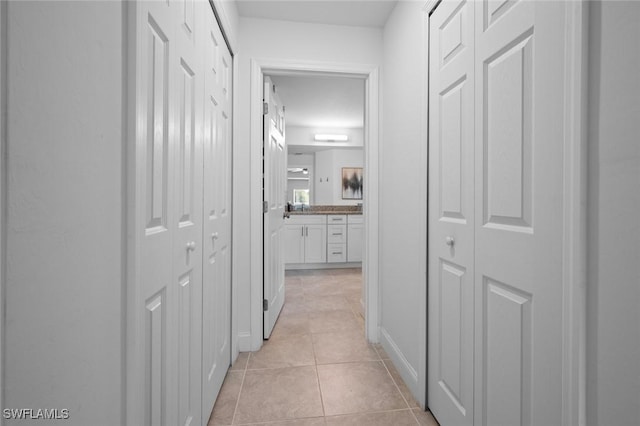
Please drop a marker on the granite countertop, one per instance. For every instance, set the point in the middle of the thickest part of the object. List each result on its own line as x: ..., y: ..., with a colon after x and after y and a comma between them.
x: 354, y: 210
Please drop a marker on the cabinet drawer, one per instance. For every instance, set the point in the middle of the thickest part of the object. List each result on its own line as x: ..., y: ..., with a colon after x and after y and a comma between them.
x: 336, y: 253
x: 355, y: 218
x: 337, y: 234
x: 336, y: 219
x: 306, y: 219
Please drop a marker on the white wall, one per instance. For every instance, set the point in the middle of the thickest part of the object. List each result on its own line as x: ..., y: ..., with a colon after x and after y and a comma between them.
x: 64, y: 257
x: 403, y: 213
x: 613, y: 293
x: 282, y: 40
x: 328, y: 176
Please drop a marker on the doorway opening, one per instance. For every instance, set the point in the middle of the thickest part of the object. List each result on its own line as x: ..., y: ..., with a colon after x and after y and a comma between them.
x: 368, y: 77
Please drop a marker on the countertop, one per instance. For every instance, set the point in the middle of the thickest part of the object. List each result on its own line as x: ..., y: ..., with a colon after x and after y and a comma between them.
x: 331, y: 210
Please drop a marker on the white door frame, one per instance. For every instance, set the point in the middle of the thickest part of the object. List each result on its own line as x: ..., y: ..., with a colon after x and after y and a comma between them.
x: 574, y: 218
x: 369, y: 73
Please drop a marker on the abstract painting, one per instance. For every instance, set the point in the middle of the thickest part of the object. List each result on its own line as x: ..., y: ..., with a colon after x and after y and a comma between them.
x: 352, y: 183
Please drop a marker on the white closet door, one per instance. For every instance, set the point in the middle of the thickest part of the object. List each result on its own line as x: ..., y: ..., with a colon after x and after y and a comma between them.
x: 187, y: 247
x: 155, y: 217
x: 519, y: 105
x: 451, y: 212
x: 216, y: 296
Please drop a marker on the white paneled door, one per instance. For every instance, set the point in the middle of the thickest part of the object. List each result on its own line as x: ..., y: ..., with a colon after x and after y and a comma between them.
x: 179, y: 302
x: 216, y: 294
x: 496, y: 208
x: 274, y: 190
x: 451, y: 212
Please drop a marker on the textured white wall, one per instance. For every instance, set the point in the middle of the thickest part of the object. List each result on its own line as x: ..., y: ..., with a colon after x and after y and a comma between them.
x: 403, y: 243
x: 329, y: 166
x: 282, y: 40
x: 613, y: 293
x: 64, y: 264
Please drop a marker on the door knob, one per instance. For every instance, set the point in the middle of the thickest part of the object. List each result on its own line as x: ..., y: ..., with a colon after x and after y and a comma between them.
x: 286, y: 215
x: 191, y: 246
x: 450, y: 241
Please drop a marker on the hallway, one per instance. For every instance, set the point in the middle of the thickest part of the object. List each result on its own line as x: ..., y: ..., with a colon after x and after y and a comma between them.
x: 317, y: 368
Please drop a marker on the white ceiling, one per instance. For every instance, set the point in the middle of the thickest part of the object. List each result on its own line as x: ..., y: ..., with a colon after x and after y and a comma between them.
x: 362, y: 13
x: 322, y: 102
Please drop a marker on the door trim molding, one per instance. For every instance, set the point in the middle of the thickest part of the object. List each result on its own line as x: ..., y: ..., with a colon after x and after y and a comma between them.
x: 370, y: 74
x: 574, y: 236
x: 574, y: 258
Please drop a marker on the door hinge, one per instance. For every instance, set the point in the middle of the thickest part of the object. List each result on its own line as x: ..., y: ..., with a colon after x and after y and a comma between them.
x: 265, y: 108
x: 265, y: 206
x: 265, y: 305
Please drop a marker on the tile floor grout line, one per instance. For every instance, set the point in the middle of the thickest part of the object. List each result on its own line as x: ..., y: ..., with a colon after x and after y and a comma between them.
x: 244, y: 374
x: 395, y: 384
x: 315, y: 359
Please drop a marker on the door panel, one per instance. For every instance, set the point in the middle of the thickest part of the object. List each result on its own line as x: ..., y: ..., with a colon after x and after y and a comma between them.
x: 154, y: 213
x: 315, y: 244
x: 216, y: 292
x: 451, y: 211
x: 294, y: 243
x: 187, y: 243
x: 519, y: 64
x: 275, y: 169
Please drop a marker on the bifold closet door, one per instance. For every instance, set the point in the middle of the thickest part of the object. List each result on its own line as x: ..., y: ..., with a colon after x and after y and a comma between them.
x: 188, y: 87
x: 451, y: 212
x: 519, y: 114
x: 179, y: 330
x: 216, y: 296
x: 496, y: 212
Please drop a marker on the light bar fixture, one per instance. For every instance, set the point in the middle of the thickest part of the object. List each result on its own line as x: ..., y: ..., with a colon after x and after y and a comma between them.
x: 331, y: 138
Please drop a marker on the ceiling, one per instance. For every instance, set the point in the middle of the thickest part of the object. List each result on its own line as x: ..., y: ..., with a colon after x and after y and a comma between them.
x: 362, y: 13
x: 321, y: 101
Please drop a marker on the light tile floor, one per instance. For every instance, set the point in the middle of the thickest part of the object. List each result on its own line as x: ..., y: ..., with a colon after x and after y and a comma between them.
x: 317, y: 368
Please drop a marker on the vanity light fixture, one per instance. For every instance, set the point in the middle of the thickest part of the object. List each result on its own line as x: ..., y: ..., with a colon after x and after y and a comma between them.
x: 331, y: 138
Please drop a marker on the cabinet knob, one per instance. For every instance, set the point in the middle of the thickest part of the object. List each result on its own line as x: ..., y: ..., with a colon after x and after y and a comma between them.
x: 450, y: 241
x: 214, y: 236
x: 191, y: 246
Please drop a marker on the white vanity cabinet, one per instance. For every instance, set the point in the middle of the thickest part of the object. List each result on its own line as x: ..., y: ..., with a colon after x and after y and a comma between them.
x: 305, y: 239
x: 314, y: 239
x: 336, y: 238
x: 355, y: 234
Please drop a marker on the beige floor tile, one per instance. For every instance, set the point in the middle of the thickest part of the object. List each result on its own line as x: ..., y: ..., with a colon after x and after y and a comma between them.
x: 425, y: 418
x: 358, y: 387
x: 342, y: 346
x: 297, y: 306
x: 404, y: 390
x: 279, y: 394
x: 315, y: 421
x: 388, y: 418
x: 327, y: 303
x: 321, y: 289
x: 283, y: 351
x: 241, y: 362
x: 290, y: 324
x: 332, y: 321
x: 226, y: 403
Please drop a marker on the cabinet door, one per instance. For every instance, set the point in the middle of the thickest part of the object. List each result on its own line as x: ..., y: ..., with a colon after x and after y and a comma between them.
x: 354, y: 243
x: 315, y: 246
x: 294, y: 243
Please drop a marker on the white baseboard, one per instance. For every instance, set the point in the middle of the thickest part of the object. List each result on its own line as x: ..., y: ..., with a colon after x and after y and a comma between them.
x: 244, y: 342
x: 407, y: 372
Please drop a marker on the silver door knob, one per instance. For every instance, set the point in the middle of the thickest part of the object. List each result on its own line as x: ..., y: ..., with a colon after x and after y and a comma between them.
x: 286, y: 215
x: 191, y: 246
x: 450, y: 241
